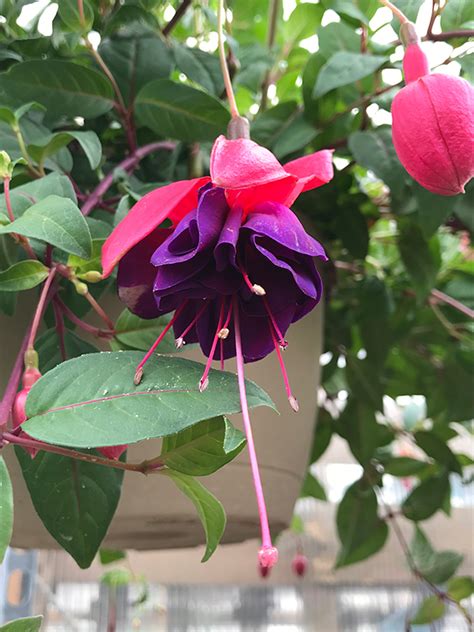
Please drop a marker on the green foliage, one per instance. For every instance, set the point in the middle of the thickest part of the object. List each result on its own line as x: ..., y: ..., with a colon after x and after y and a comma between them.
x: 6, y: 509
x: 431, y: 609
x: 28, y: 624
x: 75, y: 404
x: 396, y: 251
x: 209, y: 509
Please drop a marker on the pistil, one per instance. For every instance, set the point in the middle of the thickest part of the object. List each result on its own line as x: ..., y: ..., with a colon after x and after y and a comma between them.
x: 268, y: 554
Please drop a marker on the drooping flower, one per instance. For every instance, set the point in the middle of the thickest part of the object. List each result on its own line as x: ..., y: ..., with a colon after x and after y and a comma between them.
x: 236, y: 268
x: 433, y: 126
x: 299, y: 565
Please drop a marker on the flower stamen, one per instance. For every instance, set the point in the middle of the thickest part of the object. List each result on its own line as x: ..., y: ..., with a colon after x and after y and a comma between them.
x: 281, y: 339
x: 255, y: 288
x: 139, y: 370
x: 292, y: 400
x: 180, y: 340
x: 204, y: 381
x: 268, y: 554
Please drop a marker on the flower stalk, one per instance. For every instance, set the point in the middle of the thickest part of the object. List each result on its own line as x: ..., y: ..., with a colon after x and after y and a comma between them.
x: 222, y: 58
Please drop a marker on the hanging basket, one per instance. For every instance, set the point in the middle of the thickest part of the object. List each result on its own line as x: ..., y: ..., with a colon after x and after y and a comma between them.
x: 151, y: 514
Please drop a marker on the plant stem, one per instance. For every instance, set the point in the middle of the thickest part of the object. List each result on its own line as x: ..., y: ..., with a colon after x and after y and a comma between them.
x: 391, y: 515
x: 223, y: 61
x: 273, y: 12
x: 396, y: 11
x: 59, y: 321
x: 180, y: 11
x: 21, y: 239
x: 98, y: 310
x: 129, y: 164
x: 95, y: 331
x: 40, y: 308
x: 13, y: 382
x: 144, y: 467
x: 449, y: 300
x: 24, y: 152
x: 442, y: 37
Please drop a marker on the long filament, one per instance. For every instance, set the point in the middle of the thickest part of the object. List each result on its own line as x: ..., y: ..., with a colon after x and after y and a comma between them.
x: 268, y: 554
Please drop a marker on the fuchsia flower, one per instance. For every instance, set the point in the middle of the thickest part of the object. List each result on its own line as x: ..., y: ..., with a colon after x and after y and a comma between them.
x: 433, y: 126
x: 30, y: 376
x: 236, y: 268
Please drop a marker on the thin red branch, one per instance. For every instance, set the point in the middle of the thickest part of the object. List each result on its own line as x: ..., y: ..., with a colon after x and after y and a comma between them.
x: 40, y: 308
x: 129, y: 164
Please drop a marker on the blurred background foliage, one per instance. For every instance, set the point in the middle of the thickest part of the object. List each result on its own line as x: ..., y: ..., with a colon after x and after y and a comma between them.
x: 398, y: 297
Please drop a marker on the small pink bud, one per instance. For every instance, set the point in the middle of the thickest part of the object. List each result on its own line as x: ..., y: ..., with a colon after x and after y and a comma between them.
x: 18, y: 412
x: 30, y: 376
x: 264, y: 571
x: 433, y: 128
x: 267, y: 556
x: 113, y: 451
x: 299, y: 565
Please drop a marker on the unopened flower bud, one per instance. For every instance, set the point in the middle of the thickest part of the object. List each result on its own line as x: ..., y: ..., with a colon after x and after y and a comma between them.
x: 433, y: 128
x: 6, y: 166
x: 31, y: 359
x: 299, y: 565
x: 92, y: 276
x: 81, y: 288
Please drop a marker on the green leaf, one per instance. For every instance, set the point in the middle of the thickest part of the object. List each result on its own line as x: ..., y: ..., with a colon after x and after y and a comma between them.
x: 117, y: 577
x: 364, y: 381
x: 62, y: 87
x: 303, y: 22
x: 56, y: 221
x: 209, y: 509
x: 200, y: 67
x: 374, y: 318
x: 179, y: 111
x: 313, y: 488
x: 203, y: 448
x: 6, y: 509
x: 361, y: 532
x: 25, y: 195
x: 139, y: 333
x: 404, y: 466
x: 427, y: 498
x: 430, y: 610
x: 27, y: 624
x: 351, y: 227
x: 357, y: 424
x: 438, y: 450
x: 460, y: 587
x: 89, y: 141
x: 420, y: 257
x: 92, y: 401
x: 49, y: 350
x: 136, y: 55
x: 23, y: 275
x: 75, y: 500
x: 409, y: 7
x: 69, y: 14
x: 337, y: 36
x: 93, y: 262
x: 436, y: 567
x: 344, y: 68
x: 432, y: 210
x: 457, y: 14
x: 374, y: 150
x: 323, y: 432
x: 108, y: 556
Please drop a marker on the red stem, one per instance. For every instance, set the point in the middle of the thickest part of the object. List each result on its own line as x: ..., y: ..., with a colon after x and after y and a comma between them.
x: 95, y: 331
x: 180, y: 11
x: 98, y: 310
x: 449, y: 300
x: 129, y: 164
x: 40, y: 308
x: 13, y: 382
x: 59, y: 320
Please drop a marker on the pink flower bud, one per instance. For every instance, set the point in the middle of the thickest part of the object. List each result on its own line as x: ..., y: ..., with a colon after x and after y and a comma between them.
x: 433, y: 127
x: 18, y: 413
x: 113, y: 451
x: 299, y: 565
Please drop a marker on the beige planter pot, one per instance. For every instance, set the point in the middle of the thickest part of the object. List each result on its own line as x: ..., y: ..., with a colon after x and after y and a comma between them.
x: 152, y: 514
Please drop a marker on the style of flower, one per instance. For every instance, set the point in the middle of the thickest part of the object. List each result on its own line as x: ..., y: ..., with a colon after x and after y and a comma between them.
x: 236, y: 267
x: 433, y: 127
